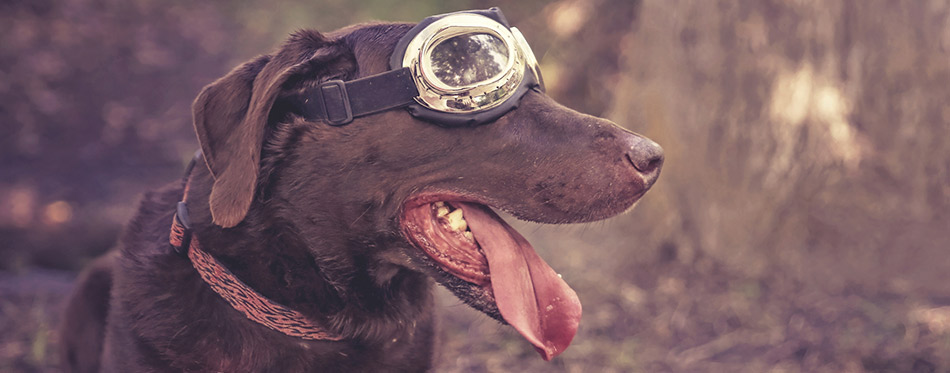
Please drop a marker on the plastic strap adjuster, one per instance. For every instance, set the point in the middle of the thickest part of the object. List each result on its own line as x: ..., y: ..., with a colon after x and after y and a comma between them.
x: 181, y: 219
x: 336, y: 102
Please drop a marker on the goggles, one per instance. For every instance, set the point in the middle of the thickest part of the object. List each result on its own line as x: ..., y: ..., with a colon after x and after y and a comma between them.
x: 463, y: 68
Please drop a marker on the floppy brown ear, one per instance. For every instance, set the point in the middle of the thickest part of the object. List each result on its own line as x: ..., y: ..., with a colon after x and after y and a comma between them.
x: 230, y: 116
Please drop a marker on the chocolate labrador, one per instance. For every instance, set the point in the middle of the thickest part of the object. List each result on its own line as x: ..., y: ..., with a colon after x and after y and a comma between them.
x: 338, y: 179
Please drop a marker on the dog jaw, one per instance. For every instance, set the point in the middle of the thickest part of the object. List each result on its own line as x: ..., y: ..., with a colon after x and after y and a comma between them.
x: 496, y: 267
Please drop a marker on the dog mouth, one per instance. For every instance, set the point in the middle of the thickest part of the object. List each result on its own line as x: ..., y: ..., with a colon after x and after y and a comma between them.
x: 490, y: 266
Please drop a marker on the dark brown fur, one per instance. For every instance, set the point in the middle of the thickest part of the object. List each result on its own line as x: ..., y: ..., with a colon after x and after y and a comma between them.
x: 307, y: 214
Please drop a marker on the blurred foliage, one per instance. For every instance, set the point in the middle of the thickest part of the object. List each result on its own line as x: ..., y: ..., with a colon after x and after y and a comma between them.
x: 800, y: 224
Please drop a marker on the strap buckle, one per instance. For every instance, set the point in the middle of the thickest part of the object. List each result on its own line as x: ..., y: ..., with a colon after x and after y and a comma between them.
x: 336, y: 102
x: 183, y: 225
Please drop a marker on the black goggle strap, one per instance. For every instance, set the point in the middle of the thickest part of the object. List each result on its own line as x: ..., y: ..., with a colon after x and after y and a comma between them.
x: 337, y: 102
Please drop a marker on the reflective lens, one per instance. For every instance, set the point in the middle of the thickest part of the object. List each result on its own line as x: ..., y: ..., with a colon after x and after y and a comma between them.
x: 469, y: 59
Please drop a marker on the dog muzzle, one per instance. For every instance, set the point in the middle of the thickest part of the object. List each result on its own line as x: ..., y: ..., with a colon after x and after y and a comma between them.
x: 463, y: 68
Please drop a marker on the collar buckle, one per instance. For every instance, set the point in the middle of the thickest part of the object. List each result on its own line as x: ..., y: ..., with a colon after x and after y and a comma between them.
x: 181, y: 230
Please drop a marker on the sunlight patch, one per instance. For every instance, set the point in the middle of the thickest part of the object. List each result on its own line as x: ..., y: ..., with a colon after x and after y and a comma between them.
x: 800, y: 98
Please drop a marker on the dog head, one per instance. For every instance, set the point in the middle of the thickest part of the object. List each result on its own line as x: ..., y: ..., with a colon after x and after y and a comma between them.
x: 390, y: 195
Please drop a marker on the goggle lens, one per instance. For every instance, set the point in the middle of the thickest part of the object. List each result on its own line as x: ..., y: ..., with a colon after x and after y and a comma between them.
x: 469, y: 59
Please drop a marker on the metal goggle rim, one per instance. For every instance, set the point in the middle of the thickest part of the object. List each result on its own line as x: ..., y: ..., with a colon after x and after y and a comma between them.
x: 483, y: 95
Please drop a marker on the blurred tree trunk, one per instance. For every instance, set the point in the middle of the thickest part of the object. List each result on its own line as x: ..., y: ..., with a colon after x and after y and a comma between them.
x: 807, y: 139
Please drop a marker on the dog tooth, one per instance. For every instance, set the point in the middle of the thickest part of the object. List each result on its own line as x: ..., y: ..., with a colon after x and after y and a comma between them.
x: 468, y: 235
x: 456, y: 222
x: 442, y: 211
x: 439, y: 204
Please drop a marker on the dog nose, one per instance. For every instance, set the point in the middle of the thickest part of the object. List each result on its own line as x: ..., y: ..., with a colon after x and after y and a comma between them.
x: 647, y: 157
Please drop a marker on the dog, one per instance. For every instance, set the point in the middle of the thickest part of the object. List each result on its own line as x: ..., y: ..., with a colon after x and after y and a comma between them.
x: 297, y: 244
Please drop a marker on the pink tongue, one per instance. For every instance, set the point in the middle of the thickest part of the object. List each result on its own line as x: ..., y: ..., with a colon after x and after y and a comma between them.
x: 529, y: 294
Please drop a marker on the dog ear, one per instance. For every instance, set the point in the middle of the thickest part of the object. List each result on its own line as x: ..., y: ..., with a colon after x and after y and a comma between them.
x: 231, y: 114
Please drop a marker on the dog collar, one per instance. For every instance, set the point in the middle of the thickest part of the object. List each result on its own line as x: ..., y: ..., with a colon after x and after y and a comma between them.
x: 235, y: 292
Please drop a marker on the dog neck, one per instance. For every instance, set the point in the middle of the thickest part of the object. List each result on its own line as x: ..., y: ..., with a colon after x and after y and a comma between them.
x: 240, y: 296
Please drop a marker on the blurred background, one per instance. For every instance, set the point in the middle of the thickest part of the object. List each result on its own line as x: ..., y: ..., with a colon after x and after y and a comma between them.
x: 801, y: 224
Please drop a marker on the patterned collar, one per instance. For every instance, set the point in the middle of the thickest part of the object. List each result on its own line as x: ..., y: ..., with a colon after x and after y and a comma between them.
x: 241, y: 297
